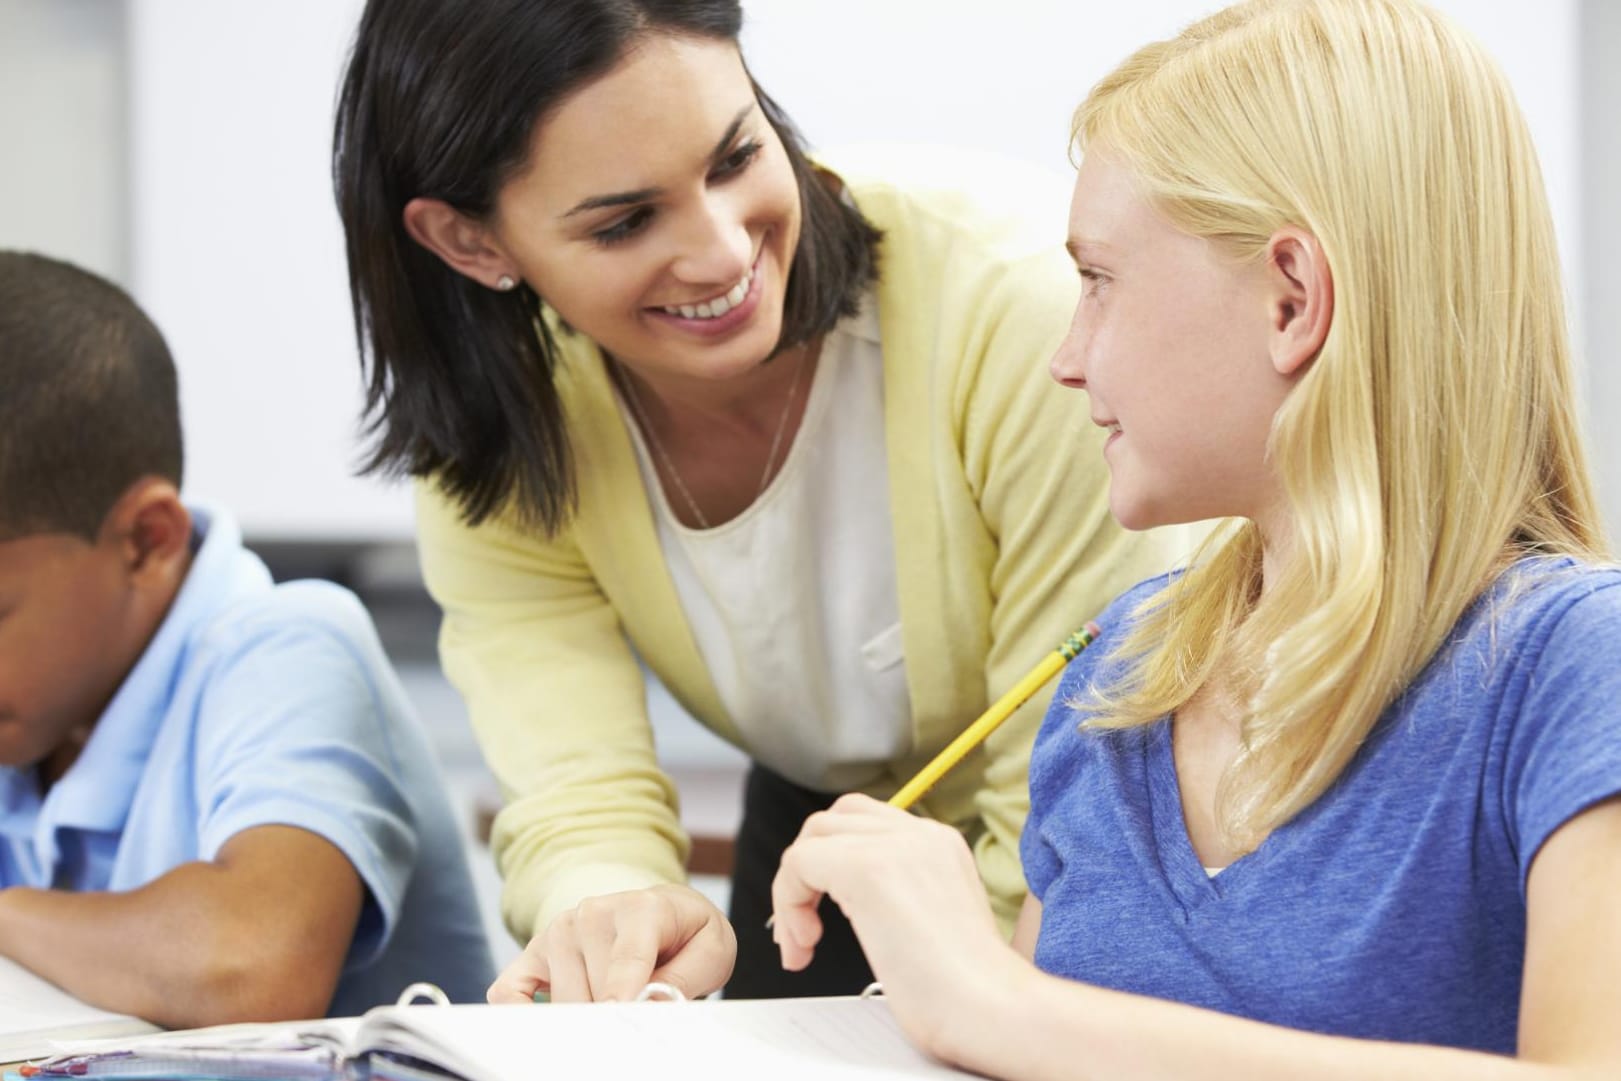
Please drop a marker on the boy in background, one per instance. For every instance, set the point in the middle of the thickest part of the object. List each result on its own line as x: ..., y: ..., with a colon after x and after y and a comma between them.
x: 215, y: 802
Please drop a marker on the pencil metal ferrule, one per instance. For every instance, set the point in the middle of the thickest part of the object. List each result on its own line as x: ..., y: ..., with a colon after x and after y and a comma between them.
x: 1078, y: 641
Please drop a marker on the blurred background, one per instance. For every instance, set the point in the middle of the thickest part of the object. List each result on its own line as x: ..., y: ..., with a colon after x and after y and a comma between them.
x: 180, y: 147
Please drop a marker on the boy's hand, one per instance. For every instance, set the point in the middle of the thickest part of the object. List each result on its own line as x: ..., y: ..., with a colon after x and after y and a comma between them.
x: 606, y: 949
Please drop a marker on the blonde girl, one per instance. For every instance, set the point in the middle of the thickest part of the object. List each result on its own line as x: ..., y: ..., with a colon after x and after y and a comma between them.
x: 1342, y: 799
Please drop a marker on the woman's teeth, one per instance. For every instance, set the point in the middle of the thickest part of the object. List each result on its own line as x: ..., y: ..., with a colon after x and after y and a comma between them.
x: 714, y: 309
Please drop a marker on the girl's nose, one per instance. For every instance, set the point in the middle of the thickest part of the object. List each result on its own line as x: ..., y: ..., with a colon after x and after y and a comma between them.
x: 1068, y: 365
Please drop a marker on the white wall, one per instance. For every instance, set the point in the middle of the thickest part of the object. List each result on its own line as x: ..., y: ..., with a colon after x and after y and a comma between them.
x: 1601, y: 223
x: 235, y: 243
x: 63, y: 132
x: 238, y: 256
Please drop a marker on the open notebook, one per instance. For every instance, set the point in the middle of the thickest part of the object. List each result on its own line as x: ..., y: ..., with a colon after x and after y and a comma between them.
x: 35, y: 1013
x: 784, y: 1040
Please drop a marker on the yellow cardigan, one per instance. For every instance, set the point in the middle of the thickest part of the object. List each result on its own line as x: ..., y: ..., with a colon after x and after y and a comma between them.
x: 1003, y: 545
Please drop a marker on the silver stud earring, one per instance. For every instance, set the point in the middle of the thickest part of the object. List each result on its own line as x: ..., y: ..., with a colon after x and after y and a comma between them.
x: 506, y: 283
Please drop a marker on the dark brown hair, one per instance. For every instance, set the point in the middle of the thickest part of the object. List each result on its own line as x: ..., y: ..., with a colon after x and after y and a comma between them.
x: 440, y: 100
x: 88, y: 398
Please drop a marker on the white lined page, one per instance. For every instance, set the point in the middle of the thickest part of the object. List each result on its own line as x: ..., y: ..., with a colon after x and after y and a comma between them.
x: 783, y: 1040
x: 35, y: 1012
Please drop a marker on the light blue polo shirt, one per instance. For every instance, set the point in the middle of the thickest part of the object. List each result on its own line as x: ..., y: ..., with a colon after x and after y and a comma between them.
x: 1393, y: 907
x: 260, y: 704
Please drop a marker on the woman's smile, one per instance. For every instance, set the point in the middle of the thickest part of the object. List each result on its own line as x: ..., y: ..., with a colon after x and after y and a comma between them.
x: 720, y: 315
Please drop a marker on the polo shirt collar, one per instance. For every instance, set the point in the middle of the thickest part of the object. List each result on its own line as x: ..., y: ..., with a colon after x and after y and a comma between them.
x: 19, y: 803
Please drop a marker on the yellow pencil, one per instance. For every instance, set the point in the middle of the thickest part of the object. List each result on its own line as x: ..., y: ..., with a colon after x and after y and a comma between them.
x: 989, y: 721
x: 992, y: 718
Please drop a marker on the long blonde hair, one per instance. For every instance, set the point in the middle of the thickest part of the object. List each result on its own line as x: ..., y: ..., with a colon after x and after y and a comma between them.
x: 1433, y: 440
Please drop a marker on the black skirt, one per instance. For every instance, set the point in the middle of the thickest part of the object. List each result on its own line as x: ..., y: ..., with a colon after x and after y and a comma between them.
x: 773, y: 810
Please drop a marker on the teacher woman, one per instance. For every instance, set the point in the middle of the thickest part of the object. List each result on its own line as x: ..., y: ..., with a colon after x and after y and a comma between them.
x: 675, y: 394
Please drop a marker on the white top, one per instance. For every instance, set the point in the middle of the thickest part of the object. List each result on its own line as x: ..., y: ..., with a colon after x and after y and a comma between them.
x: 794, y: 603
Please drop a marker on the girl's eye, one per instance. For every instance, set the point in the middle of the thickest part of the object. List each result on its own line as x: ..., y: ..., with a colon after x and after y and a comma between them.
x: 625, y: 228
x: 737, y: 160
x: 1091, y: 280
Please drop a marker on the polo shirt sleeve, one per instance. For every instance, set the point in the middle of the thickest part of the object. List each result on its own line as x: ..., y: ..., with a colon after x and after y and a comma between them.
x: 1564, y: 752
x: 295, y: 731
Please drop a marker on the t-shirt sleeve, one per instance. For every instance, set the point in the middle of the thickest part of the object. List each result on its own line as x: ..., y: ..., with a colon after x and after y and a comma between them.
x: 1565, y: 752
x: 1052, y: 764
x: 1058, y: 758
x: 295, y: 731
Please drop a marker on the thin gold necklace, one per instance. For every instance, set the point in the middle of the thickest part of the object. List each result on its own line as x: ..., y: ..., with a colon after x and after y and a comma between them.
x: 635, y: 401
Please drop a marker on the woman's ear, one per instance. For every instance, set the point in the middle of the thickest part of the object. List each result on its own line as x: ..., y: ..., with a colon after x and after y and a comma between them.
x: 464, y: 244
x: 1300, y: 299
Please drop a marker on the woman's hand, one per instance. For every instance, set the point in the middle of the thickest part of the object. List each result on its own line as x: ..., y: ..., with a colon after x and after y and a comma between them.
x: 606, y: 949
x: 910, y: 888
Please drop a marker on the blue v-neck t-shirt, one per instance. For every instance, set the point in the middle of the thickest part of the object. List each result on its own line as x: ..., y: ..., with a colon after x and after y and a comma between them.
x: 1394, y: 906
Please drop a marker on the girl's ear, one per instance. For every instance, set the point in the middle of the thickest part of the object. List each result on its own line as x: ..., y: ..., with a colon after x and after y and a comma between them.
x: 464, y: 244
x: 1300, y: 300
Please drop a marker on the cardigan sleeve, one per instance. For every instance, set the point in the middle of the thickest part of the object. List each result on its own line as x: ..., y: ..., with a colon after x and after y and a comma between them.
x: 558, y: 702
x: 1034, y: 463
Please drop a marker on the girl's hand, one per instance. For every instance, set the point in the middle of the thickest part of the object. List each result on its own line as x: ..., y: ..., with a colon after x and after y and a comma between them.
x: 910, y: 889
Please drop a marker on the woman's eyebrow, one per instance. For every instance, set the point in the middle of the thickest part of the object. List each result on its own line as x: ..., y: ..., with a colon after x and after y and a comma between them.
x: 642, y: 195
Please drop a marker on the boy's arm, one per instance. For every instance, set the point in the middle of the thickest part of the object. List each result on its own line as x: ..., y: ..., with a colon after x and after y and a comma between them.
x: 258, y: 933
x: 300, y: 843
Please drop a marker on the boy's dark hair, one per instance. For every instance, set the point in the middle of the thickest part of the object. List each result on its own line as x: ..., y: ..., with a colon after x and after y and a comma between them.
x: 440, y: 100
x: 88, y: 398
